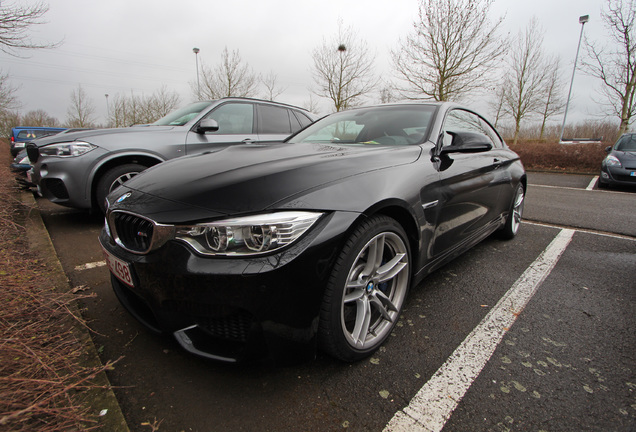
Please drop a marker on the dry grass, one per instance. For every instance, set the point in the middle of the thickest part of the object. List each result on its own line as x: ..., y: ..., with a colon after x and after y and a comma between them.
x: 551, y: 156
x: 41, y: 371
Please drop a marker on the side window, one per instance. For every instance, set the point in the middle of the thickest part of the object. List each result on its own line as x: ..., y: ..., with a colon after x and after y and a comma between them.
x: 295, y: 124
x: 273, y: 120
x: 492, y: 134
x: 234, y: 118
x: 302, y: 118
x: 464, y: 121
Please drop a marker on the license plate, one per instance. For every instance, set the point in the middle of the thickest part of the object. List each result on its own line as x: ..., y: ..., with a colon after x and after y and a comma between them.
x: 633, y: 173
x: 119, y: 268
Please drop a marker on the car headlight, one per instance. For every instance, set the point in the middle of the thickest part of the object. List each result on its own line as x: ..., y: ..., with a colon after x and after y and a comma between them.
x: 250, y: 235
x: 67, y: 149
x: 612, y: 161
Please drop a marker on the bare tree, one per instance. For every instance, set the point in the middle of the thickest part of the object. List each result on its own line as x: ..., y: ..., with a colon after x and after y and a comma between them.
x: 451, y: 52
x: 272, y: 89
x: 81, y: 112
x: 160, y: 103
x: 39, y: 118
x: 343, y: 69
x: 311, y: 105
x: 8, y: 99
x: 133, y: 109
x: 526, y: 76
x: 615, y: 65
x: 15, y: 22
x: 8, y: 120
x: 553, y: 101
x: 497, y: 104
x: 231, y: 78
x: 387, y: 93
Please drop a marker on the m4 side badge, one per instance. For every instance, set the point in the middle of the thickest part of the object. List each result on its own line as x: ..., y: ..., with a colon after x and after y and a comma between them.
x: 123, y: 197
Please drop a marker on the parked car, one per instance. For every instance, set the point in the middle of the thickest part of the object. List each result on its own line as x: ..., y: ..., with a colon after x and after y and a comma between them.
x: 20, y: 166
x: 23, y: 134
x: 80, y: 169
x: 281, y: 247
x: 619, y: 166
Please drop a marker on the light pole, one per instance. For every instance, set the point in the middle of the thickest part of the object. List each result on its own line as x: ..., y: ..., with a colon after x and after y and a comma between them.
x: 582, y: 20
x: 107, y: 109
x: 196, y: 58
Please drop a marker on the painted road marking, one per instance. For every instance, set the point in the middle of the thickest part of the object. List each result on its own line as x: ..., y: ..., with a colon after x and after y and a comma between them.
x: 592, y: 183
x: 557, y: 187
x: 433, y: 405
x: 89, y: 266
x: 582, y: 230
x: 605, y: 191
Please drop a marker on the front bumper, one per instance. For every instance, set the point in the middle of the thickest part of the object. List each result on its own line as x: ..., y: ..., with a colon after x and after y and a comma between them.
x: 618, y: 176
x: 232, y: 309
x: 65, y: 181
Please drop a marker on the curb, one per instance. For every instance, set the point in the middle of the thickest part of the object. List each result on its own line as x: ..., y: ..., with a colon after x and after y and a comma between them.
x: 102, y: 397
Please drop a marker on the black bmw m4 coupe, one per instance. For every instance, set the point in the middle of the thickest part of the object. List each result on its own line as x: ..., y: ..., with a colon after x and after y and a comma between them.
x: 281, y: 249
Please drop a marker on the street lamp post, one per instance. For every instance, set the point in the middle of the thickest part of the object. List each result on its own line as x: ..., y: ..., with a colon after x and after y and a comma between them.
x: 582, y: 20
x: 196, y: 57
x: 107, y: 109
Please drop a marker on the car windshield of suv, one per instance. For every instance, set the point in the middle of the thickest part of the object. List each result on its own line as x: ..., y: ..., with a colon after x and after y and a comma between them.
x: 389, y: 125
x: 182, y: 115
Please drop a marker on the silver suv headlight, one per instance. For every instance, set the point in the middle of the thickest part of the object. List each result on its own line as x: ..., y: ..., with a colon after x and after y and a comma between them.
x: 249, y: 235
x: 67, y: 149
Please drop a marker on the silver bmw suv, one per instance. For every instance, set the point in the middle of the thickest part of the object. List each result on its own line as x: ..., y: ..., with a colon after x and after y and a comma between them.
x: 80, y: 169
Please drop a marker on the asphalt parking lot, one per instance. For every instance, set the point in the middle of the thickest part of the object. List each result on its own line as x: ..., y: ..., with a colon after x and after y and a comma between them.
x: 564, y: 361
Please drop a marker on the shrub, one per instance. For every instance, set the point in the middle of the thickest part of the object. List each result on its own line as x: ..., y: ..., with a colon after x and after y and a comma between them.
x: 551, y: 156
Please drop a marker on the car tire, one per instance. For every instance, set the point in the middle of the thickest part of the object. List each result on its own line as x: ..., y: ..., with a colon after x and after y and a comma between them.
x: 112, y: 179
x: 513, y: 221
x: 602, y: 185
x: 364, y: 297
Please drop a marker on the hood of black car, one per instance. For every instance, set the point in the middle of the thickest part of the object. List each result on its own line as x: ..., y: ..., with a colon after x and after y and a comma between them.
x: 249, y: 178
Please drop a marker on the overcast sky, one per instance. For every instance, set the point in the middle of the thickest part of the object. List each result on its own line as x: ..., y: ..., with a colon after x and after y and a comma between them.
x: 124, y: 46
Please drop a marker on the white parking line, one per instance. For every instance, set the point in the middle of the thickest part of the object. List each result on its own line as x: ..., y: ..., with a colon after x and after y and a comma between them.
x: 592, y: 183
x: 89, y: 266
x: 433, y: 405
x: 556, y: 187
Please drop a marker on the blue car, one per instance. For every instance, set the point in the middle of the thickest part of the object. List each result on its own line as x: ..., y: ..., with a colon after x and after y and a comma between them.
x: 23, y: 134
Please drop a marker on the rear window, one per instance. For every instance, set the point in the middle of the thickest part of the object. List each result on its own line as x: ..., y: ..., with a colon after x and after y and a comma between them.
x: 37, y: 133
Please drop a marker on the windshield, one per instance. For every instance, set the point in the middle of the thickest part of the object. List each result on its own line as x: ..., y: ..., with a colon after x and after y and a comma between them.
x: 182, y: 115
x: 384, y: 125
x: 627, y: 143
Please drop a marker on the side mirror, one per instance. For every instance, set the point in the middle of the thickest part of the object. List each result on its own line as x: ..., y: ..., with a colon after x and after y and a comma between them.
x: 207, y: 125
x: 608, y: 149
x: 467, y: 142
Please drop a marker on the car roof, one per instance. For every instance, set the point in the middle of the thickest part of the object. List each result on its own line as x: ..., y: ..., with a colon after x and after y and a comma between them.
x: 260, y: 101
